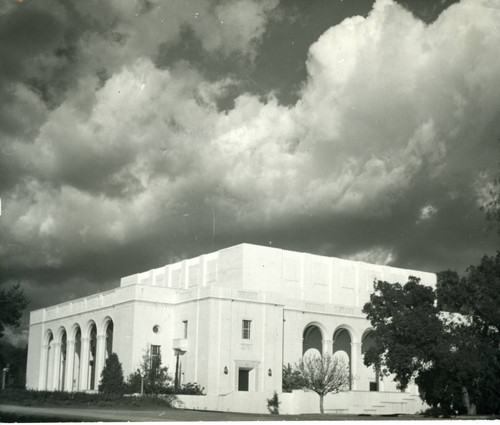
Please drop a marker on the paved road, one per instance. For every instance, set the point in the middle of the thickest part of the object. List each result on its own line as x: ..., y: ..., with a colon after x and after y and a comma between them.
x: 120, y: 415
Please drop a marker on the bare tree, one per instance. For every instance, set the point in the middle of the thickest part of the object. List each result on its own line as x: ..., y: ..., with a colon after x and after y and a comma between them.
x: 324, y: 375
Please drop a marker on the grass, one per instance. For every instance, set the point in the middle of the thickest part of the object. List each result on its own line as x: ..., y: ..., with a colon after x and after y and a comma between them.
x: 78, y: 399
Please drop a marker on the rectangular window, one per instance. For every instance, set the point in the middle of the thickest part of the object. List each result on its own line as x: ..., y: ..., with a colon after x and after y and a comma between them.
x: 246, y: 329
x: 185, y: 329
x: 155, y: 357
x: 373, y: 386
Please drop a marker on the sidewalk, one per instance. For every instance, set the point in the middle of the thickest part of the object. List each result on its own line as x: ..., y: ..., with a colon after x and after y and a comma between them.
x: 120, y: 415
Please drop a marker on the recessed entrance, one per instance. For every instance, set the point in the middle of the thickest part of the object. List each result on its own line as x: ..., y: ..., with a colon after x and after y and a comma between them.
x: 243, y: 379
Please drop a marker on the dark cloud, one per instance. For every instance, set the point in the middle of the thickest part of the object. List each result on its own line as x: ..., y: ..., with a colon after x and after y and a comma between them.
x: 135, y: 134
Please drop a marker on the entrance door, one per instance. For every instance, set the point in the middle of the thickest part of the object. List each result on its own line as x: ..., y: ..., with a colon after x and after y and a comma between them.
x: 243, y: 379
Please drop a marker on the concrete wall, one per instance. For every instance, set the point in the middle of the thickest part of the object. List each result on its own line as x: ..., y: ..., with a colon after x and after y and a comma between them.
x: 302, y: 402
x: 352, y: 402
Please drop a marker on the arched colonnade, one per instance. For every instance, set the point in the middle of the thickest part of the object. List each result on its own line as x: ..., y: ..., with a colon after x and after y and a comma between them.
x: 345, y: 344
x: 72, y: 359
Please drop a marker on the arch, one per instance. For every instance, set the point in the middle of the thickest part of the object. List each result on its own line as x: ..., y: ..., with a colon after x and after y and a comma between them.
x: 312, y: 338
x: 107, y: 331
x: 48, y: 336
x: 348, y: 328
x: 48, y: 360
x: 88, y: 328
x: 342, y: 347
x: 367, y: 340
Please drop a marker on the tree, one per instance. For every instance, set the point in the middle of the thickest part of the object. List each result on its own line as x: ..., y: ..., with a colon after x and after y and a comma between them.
x: 12, y: 303
x: 323, y: 375
x: 155, y: 378
x: 492, y: 207
x: 291, y: 379
x: 112, y: 381
x: 453, y: 356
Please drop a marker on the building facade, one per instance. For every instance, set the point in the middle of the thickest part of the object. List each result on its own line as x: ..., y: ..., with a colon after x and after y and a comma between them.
x: 228, y: 320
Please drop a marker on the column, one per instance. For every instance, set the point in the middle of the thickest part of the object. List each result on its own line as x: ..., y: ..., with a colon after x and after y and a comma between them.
x: 56, y: 384
x: 328, y: 346
x: 355, y: 359
x: 99, y: 354
x: 70, y: 354
x: 84, y: 364
x: 42, y: 377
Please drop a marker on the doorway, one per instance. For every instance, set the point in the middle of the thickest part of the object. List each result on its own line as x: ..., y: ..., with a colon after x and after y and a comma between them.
x: 243, y: 379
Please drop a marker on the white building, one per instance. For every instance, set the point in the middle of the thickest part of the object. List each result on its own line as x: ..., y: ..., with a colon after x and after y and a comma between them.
x: 232, y: 318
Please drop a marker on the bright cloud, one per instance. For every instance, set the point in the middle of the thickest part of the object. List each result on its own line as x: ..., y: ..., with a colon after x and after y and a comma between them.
x: 144, y: 151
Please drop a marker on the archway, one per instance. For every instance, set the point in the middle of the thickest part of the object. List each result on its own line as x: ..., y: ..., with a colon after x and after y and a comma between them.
x: 77, y: 359
x: 342, y: 349
x: 109, y: 339
x: 62, y: 361
x: 367, y: 342
x: 49, y: 361
x: 312, y: 339
x: 91, y: 378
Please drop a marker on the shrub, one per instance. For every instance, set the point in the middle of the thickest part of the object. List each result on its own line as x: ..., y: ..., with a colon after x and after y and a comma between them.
x: 191, y: 388
x: 155, y: 378
x: 273, y: 404
x: 112, y: 376
x: 291, y: 379
x: 60, y: 398
x: 437, y: 412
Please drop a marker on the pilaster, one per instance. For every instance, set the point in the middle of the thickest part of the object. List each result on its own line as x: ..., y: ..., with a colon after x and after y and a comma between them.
x: 56, y: 384
x: 84, y: 363
x: 355, y: 359
x: 68, y: 376
x: 101, y: 347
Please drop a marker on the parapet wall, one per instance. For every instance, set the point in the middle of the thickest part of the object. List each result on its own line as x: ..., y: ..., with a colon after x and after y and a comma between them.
x: 295, y: 275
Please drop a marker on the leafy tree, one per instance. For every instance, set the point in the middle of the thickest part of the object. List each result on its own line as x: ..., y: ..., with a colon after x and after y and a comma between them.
x: 15, y: 358
x: 291, y: 379
x: 323, y: 375
x: 452, y: 356
x: 155, y: 377
x: 492, y: 207
x: 112, y: 381
x: 12, y: 303
x: 406, y: 324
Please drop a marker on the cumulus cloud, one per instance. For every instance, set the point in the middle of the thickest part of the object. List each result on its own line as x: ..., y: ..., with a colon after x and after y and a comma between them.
x: 131, y: 156
x: 426, y: 213
x: 376, y: 255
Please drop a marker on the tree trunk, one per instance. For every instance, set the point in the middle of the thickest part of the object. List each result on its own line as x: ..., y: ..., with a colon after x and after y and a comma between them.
x: 471, y: 407
x: 321, y: 404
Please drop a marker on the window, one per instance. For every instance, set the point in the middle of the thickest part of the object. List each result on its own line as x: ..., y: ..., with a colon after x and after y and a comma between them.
x: 373, y: 386
x: 185, y: 329
x: 155, y: 357
x: 246, y: 329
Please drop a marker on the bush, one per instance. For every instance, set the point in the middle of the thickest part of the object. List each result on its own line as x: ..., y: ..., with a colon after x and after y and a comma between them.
x: 154, y: 377
x: 191, y: 388
x: 273, y: 404
x: 437, y: 412
x: 112, y: 376
x: 60, y: 398
x: 291, y: 380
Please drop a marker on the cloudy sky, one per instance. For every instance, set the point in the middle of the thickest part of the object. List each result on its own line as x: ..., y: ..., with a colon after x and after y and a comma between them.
x: 138, y: 133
